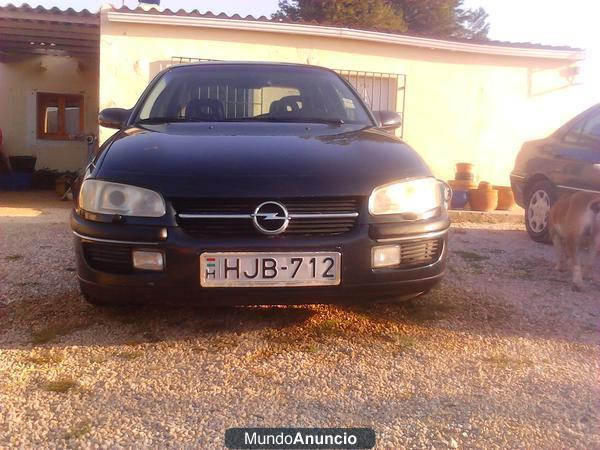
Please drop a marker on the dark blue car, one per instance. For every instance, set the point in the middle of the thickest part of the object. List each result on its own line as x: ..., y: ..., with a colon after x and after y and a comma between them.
x: 240, y: 183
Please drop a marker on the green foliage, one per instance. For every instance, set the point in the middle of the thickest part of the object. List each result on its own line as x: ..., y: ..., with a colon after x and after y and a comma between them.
x: 443, y: 18
x: 380, y: 14
x: 436, y: 18
x: 474, y: 24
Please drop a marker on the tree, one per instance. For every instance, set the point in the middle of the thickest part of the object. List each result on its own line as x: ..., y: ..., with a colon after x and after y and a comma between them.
x: 435, y: 18
x: 380, y: 14
x: 443, y: 18
x: 474, y: 23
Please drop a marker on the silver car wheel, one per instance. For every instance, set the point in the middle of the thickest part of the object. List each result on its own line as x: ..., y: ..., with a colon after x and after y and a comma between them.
x: 538, y: 211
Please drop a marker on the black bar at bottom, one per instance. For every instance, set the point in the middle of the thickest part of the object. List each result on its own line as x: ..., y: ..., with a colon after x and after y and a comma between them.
x: 299, y: 438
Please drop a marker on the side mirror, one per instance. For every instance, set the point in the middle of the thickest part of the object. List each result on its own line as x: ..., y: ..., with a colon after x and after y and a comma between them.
x: 388, y: 120
x: 113, y: 117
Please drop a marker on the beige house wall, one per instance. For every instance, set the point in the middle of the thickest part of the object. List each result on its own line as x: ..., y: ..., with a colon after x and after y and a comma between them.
x: 459, y: 106
x: 20, y: 81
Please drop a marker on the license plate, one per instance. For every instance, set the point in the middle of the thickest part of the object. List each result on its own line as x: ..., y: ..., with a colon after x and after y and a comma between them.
x: 270, y: 269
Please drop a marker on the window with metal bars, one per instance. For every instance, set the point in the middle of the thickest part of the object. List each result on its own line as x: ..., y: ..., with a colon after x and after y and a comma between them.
x: 381, y: 91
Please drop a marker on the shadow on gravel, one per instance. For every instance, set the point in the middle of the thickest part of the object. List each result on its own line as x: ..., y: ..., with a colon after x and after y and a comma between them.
x: 71, y: 321
x: 449, y: 308
x: 499, y: 284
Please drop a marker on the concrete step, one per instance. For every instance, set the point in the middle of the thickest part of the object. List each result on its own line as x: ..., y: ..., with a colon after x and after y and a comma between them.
x: 515, y: 216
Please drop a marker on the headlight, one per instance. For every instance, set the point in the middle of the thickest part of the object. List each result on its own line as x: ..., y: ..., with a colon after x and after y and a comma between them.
x: 104, y: 197
x: 416, y: 197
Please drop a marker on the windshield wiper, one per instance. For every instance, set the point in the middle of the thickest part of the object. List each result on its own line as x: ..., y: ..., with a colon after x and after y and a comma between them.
x: 159, y: 120
x: 322, y: 120
x: 288, y: 120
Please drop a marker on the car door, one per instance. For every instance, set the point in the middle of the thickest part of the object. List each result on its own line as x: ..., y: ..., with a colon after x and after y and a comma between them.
x: 575, y: 155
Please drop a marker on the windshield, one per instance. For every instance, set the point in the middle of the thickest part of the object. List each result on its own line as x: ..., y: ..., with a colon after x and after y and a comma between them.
x: 237, y: 92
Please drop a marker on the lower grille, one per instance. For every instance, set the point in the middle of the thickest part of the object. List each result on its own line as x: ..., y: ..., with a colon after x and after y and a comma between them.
x: 324, y: 226
x: 108, y: 258
x: 321, y: 226
x: 420, y: 253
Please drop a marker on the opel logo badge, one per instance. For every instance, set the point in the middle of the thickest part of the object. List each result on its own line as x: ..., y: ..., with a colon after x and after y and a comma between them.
x: 271, y: 218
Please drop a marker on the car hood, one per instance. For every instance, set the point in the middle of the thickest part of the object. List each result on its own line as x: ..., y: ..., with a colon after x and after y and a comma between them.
x: 257, y: 159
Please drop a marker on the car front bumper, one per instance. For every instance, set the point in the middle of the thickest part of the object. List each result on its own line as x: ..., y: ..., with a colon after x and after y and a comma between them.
x: 180, y: 280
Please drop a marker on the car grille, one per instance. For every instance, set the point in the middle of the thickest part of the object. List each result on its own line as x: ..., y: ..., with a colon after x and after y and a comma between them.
x: 323, y: 226
x: 108, y: 258
x: 420, y: 253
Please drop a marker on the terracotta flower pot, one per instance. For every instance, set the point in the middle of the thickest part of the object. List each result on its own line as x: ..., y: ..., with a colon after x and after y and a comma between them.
x: 483, y: 199
x: 506, y: 198
x: 461, y: 185
x: 484, y: 185
x: 469, y: 176
x: 465, y: 168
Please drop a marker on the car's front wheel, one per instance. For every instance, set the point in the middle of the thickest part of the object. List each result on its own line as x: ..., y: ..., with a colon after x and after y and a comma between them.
x: 540, y: 198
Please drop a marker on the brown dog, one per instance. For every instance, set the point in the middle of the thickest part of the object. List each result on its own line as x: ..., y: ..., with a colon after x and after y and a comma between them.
x: 575, y: 232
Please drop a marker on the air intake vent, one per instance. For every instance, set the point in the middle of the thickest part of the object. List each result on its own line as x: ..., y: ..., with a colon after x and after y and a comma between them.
x: 108, y: 258
x: 420, y: 253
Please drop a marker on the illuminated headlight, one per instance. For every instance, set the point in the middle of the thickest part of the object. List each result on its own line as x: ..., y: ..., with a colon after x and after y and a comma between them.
x: 415, y: 197
x: 105, y: 197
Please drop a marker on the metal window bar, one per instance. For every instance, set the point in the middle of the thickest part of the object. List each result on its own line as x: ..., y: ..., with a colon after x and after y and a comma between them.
x: 380, y: 90
x: 186, y: 60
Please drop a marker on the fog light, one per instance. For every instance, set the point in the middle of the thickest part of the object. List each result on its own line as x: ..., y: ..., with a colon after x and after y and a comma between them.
x: 385, y: 256
x: 148, y: 260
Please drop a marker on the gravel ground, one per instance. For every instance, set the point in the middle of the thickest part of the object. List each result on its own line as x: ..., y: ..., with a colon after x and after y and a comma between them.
x: 502, y: 355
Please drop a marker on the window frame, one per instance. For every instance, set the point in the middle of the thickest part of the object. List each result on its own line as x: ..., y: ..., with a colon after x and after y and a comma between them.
x: 43, y: 99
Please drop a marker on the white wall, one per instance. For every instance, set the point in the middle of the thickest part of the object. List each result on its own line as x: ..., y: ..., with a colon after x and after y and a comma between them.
x: 459, y: 106
x: 20, y: 80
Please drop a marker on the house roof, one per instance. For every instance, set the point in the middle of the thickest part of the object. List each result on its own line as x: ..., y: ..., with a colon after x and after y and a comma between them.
x: 262, y: 23
x: 28, y: 30
x: 210, y: 15
x: 40, y: 9
x: 19, y: 23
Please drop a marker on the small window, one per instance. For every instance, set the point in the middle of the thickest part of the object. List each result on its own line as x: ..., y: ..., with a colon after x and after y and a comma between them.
x: 60, y: 116
x: 572, y: 136
x: 591, y: 129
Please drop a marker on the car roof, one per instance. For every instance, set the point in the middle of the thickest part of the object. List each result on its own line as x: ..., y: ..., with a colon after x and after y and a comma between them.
x: 250, y: 63
x: 567, y: 125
